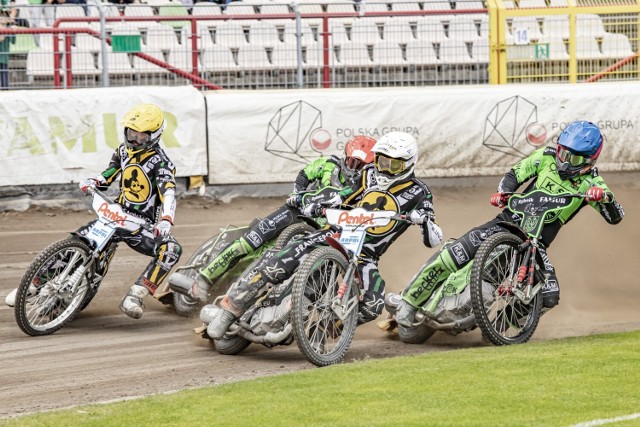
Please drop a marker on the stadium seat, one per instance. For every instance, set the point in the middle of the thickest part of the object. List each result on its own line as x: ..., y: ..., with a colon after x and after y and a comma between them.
x: 587, y: 47
x: 354, y: 55
x: 365, y: 30
x: 388, y: 53
x: 138, y: 10
x: 24, y: 43
x: 454, y: 51
x: 556, y: 25
x: 84, y: 63
x: 430, y: 28
x: 531, y: 3
x: 263, y: 33
x: 218, y: 58
x: 87, y: 43
x: 397, y: 30
x: 590, y: 25
x: 439, y: 5
x: 399, y: 5
x: 206, y: 9
x: 616, y: 46
x: 526, y: 23
x: 275, y: 8
x: 239, y: 8
x: 421, y: 52
x: 289, y: 33
x: 373, y: 6
x: 480, y: 51
x: 40, y: 63
x: 163, y: 37
x: 284, y: 56
x: 469, y: 4
x: 174, y: 10
x: 230, y: 34
x: 341, y: 6
x: 339, y: 33
x: 251, y: 57
x: 463, y: 28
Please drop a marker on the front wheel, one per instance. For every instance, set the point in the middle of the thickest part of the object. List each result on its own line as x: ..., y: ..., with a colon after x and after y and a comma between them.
x: 321, y: 335
x: 503, y: 318
x: 54, y: 287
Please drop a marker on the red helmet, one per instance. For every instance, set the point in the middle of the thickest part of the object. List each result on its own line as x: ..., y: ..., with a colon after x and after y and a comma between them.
x: 357, y: 152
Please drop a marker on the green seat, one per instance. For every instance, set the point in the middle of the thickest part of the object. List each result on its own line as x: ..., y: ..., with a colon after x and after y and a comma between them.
x: 24, y: 44
x: 173, y: 10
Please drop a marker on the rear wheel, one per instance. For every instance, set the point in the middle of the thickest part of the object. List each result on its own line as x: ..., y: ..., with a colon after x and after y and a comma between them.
x: 231, y: 345
x: 321, y: 335
x: 415, y: 335
x: 503, y: 318
x: 53, y: 289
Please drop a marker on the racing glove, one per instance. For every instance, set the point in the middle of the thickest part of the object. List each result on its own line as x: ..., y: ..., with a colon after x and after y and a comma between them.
x: 85, y: 184
x: 596, y: 194
x: 312, y: 210
x: 499, y: 199
x: 162, y: 228
x: 417, y: 218
x: 294, y: 200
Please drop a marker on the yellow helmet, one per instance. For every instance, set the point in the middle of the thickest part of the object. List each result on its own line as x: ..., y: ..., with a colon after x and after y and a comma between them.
x: 143, y: 126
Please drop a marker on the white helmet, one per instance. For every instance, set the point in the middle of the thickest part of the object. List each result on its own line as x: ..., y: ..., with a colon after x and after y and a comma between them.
x: 395, y: 157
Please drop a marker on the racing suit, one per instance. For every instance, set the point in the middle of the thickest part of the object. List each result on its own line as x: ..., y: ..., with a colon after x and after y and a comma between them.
x: 404, y: 197
x: 540, y: 167
x: 147, y: 190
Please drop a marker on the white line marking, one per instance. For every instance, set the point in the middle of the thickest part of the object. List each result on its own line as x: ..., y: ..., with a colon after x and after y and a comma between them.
x: 607, y: 421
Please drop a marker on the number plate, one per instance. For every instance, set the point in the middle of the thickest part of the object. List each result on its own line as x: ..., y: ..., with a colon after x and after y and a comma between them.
x: 100, y: 233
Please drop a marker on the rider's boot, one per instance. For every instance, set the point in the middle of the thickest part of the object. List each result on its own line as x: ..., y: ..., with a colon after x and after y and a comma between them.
x: 221, y: 318
x: 199, y: 288
x: 406, y: 314
x: 10, y: 300
x: 132, y: 304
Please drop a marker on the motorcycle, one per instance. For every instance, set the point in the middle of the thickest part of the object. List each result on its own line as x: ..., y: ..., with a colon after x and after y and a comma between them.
x: 318, y: 306
x: 63, y: 279
x: 185, y: 306
x: 500, y: 290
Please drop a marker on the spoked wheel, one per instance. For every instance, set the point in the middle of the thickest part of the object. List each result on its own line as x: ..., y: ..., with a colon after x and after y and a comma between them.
x: 321, y: 335
x: 503, y: 318
x: 292, y: 232
x: 53, y: 288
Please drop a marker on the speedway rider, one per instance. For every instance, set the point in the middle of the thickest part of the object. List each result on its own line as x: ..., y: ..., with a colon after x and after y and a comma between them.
x: 567, y: 168
x: 323, y: 172
x: 147, y: 190
x: 387, y: 185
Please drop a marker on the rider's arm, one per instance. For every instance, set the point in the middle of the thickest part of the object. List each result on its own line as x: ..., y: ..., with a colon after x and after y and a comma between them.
x: 432, y: 235
x: 609, y: 208
x: 111, y: 173
x: 317, y: 170
x: 524, y: 170
x: 166, y: 182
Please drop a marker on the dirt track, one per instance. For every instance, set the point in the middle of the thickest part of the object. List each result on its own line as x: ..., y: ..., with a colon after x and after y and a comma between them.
x: 104, y: 355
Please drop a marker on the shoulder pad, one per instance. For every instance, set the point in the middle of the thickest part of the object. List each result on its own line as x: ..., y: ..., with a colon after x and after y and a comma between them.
x: 550, y: 151
x: 333, y: 159
x: 422, y: 185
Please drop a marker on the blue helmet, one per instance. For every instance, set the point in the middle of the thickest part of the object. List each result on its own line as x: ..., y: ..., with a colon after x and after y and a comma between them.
x: 579, y: 146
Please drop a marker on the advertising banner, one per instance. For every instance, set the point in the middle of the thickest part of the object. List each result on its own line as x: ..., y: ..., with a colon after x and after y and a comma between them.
x: 61, y: 136
x: 462, y: 131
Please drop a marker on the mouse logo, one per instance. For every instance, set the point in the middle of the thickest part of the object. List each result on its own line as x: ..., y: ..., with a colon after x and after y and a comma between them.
x: 136, y: 187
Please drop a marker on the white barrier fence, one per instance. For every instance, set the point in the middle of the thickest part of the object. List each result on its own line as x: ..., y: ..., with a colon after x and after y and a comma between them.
x: 253, y: 137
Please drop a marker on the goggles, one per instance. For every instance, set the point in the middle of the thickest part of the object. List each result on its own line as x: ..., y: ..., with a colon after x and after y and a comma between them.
x: 389, y: 165
x: 354, y: 163
x: 566, y: 156
x: 137, y: 138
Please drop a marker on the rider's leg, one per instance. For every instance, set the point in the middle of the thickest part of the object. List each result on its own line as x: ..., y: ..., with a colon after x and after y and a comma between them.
x: 260, y: 231
x: 274, y: 268
x: 166, y: 255
x: 432, y: 274
x: 551, y: 289
x: 373, y: 284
